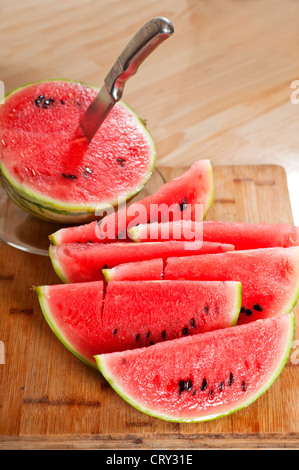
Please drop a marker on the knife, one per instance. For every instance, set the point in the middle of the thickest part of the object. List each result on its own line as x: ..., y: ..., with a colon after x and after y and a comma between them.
x: 145, y: 40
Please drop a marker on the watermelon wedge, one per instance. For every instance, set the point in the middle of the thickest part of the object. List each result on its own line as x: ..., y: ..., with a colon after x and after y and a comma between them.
x: 135, y: 314
x: 48, y: 167
x: 189, y: 195
x: 136, y: 271
x: 78, y: 262
x: 205, y: 376
x: 242, y: 235
x: 269, y: 276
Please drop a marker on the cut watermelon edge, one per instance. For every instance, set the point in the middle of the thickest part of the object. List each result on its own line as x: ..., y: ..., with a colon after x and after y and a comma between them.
x: 105, y: 371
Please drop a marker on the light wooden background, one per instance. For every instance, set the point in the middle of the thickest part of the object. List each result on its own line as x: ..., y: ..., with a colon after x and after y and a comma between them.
x: 219, y: 88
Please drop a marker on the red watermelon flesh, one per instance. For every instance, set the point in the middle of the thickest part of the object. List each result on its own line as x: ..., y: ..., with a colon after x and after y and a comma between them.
x: 243, y: 236
x: 205, y: 376
x: 45, y: 155
x: 190, y: 194
x: 136, y: 271
x: 135, y: 314
x: 269, y: 277
x: 78, y: 262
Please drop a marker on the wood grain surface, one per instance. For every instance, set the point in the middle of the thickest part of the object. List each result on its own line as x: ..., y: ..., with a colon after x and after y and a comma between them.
x: 49, y: 399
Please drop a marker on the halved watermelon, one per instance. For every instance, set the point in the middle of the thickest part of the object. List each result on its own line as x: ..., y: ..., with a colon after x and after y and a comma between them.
x: 269, y: 276
x: 242, y: 235
x: 78, y: 262
x: 135, y: 314
x: 205, y: 376
x: 187, y: 196
x: 49, y: 168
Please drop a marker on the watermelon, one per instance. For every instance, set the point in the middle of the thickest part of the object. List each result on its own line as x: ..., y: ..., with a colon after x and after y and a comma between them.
x: 269, y: 276
x: 135, y: 314
x: 137, y: 270
x: 243, y: 236
x: 50, y: 169
x: 82, y: 262
x: 188, y: 196
x: 204, y: 376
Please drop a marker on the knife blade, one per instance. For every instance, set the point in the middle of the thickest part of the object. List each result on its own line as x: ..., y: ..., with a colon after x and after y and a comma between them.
x: 145, y: 40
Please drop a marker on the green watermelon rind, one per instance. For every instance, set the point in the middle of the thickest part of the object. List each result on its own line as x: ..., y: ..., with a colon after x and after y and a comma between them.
x: 42, y: 297
x: 53, y: 209
x: 56, y: 265
x: 100, y: 360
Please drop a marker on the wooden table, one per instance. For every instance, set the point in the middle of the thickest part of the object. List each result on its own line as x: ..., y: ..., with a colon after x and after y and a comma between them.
x: 220, y: 88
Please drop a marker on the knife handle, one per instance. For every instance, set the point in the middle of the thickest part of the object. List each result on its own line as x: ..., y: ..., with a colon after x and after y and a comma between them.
x: 147, y: 38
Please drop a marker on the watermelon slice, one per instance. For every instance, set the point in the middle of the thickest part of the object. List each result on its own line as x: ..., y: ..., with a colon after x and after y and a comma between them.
x: 48, y: 167
x: 269, y: 276
x: 135, y: 314
x: 205, y: 376
x: 136, y: 271
x: 242, y: 235
x: 190, y: 196
x: 78, y: 262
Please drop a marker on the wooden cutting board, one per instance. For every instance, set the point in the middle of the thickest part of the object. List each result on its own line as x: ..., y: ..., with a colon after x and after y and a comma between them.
x: 51, y: 400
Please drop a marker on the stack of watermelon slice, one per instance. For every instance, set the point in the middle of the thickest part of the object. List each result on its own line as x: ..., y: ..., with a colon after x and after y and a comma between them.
x: 188, y: 319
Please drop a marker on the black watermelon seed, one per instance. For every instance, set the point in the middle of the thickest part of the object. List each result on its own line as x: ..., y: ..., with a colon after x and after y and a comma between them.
x: 137, y: 336
x: 204, y: 384
x: 192, y: 322
x: 148, y: 334
x: 243, y: 386
x: 258, y: 307
x: 181, y: 386
x: 188, y: 385
x: 243, y: 310
x: 211, y: 393
x: 61, y: 101
x: 47, y: 102
x: 124, y: 360
x: 231, y: 379
x: 163, y: 334
x: 183, y: 204
x: 151, y: 343
x: 52, y: 99
x: 185, y: 330
x: 64, y: 175
x: 115, y: 331
x: 206, y: 309
x: 72, y: 177
x: 37, y: 102
x: 88, y: 170
x: 248, y: 312
x: 121, y: 161
x: 41, y: 97
x: 194, y: 393
x: 45, y: 105
x: 105, y: 266
x: 221, y: 386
